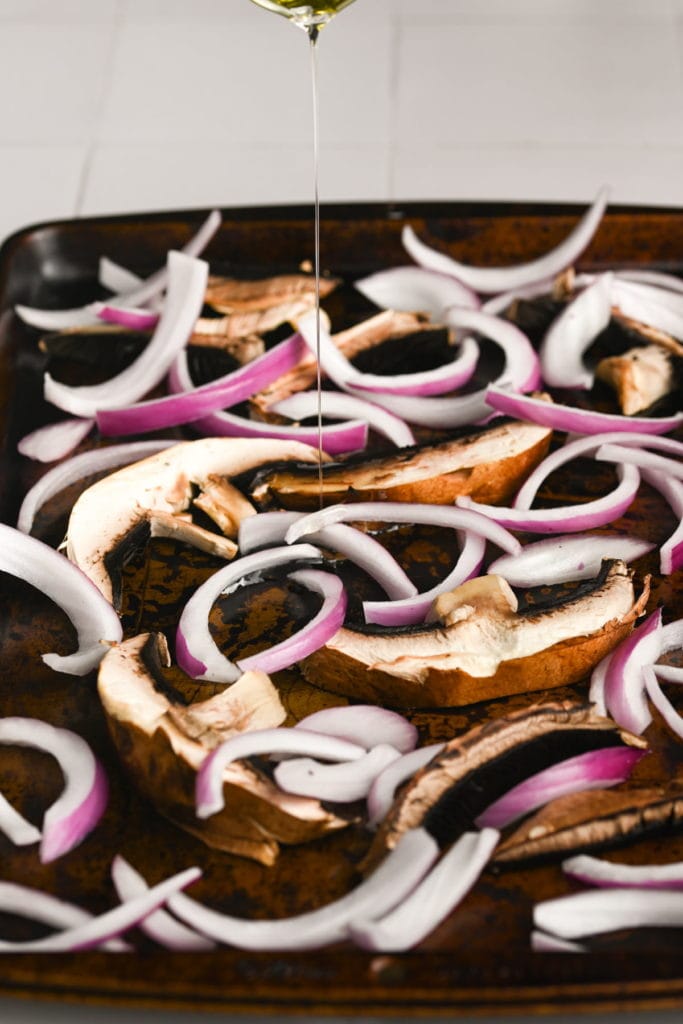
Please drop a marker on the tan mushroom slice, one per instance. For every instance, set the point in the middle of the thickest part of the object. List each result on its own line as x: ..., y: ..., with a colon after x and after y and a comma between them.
x: 234, y: 326
x: 484, y: 649
x: 122, y: 507
x: 162, y: 744
x: 601, y: 818
x: 489, y: 464
x: 243, y: 350
x: 653, y: 334
x: 231, y: 295
x: 640, y: 376
x: 475, y: 769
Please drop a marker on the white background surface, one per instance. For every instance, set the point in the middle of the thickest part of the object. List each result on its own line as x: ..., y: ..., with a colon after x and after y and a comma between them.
x: 123, y: 105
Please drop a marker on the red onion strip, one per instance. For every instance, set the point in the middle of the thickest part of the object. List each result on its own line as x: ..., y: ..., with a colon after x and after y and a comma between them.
x: 94, y: 619
x: 445, y: 378
x: 596, y: 692
x: 654, y: 277
x: 608, y: 874
x: 414, y: 289
x: 83, y: 801
x: 159, y: 925
x: 595, y: 769
x: 335, y: 783
x: 186, y: 287
x: 124, y: 316
x: 662, y: 702
x: 671, y: 551
x: 655, y: 307
x: 17, y: 829
x: 641, y: 459
x: 566, y: 557
x: 570, y: 334
x: 77, y: 468
x: 624, y: 683
x: 333, y: 405
x: 54, y: 441
x: 490, y: 280
x: 209, y: 783
x: 35, y: 905
x: 397, y: 875
x: 196, y: 650
x: 384, y: 786
x: 605, y: 910
x: 432, y: 900
x: 580, y: 421
x: 366, y: 724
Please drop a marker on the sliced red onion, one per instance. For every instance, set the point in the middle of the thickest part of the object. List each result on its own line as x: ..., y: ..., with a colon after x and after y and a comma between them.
x: 669, y: 673
x: 117, y: 279
x: 607, y: 910
x: 489, y: 280
x: 336, y: 438
x: 397, y: 875
x: 196, y: 650
x: 303, y: 404
x: 209, y: 784
x: 77, y: 468
x: 607, y: 874
x: 595, y: 769
x: 35, y: 905
x: 335, y: 783
x: 500, y: 303
x: 439, y: 381
x: 314, y: 634
x: 186, y: 286
x: 624, y: 683
x: 671, y: 551
x: 572, y: 332
x: 365, y: 724
x: 404, y: 512
x: 360, y: 548
x: 54, y: 441
x: 654, y: 277
x: 384, y: 786
x: 125, y: 316
x: 159, y: 925
x: 437, y: 413
x: 15, y: 826
x: 414, y: 289
x: 96, y: 623
x: 410, y: 610
x: 83, y: 801
x: 564, y: 518
x: 653, y: 306
x: 662, y: 702
x: 568, y: 418
x: 596, y: 692
x: 671, y: 638
x: 541, y: 942
x: 566, y: 557
x: 431, y: 901
x: 106, y: 926
x: 641, y: 459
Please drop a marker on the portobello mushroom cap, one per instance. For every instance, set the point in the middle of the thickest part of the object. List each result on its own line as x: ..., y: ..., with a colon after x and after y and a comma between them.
x: 150, y: 497
x: 641, y: 376
x: 475, y: 769
x: 484, y: 647
x: 488, y: 464
x: 163, y: 742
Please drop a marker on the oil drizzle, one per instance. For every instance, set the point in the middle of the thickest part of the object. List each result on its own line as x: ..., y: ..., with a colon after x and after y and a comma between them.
x: 313, y: 32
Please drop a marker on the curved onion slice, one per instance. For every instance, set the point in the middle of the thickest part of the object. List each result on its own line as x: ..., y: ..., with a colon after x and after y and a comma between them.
x: 439, y: 381
x: 655, y: 277
x: 82, y: 803
x: 606, y: 910
x: 186, y: 285
x: 411, y: 610
x: 314, y: 634
x: 77, y: 468
x: 596, y: 691
x: 489, y: 280
x: 404, y: 512
x: 566, y: 557
x: 159, y: 925
x: 126, y: 316
x: 359, y: 547
x: 303, y: 404
x: 196, y: 650
x: 94, y: 619
x: 653, y: 306
x: 608, y: 874
x: 642, y: 459
x: 564, y: 518
x: 365, y: 724
x: 381, y: 792
x: 432, y: 900
x: 397, y: 875
x: 54, y: 441
x: 541, y: 942
x: 569, y: 418
x: 662, y: 702
x: 595, y: 769
x: 335, y: 783
x: 35, y: 905
x: 209, y: 784
x: 414, y: 289
x: 106, y: 926
x: 17, y: 829
x: 571, y: 333
x: 624, y: 682
x: 671, y: 551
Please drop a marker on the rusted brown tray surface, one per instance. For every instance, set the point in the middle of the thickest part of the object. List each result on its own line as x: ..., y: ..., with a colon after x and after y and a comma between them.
x: 477, y: 961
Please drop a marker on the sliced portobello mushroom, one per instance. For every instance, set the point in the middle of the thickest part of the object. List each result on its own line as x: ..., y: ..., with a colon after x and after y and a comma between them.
x: 488, y: 464
x: 152, y: 496
x: 591, y: 821
x: 475, y: 769
x: 483, y: 645
x: 641, y: 376
x: 231, y: 295
x: 162, y: 742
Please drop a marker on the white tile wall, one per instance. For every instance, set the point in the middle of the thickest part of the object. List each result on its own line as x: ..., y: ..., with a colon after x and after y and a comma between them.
x: 121, y: 105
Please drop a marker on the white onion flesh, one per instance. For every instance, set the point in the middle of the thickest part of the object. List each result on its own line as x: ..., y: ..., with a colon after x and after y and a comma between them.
x: 335, y: 783
x: 15, y: 826
x: 416, y: 290
x: 565, y: 557
x: 36, y: 905
x: 606, y: 910
x: 671, y: 489
x: 572, y: 332
x: 625, y: 698
x: 384, y: 786
x: 609, y: 874
x: 303, y: 404
x: 56, y: 440
x: 366, y: 724
x: 664, y: 706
